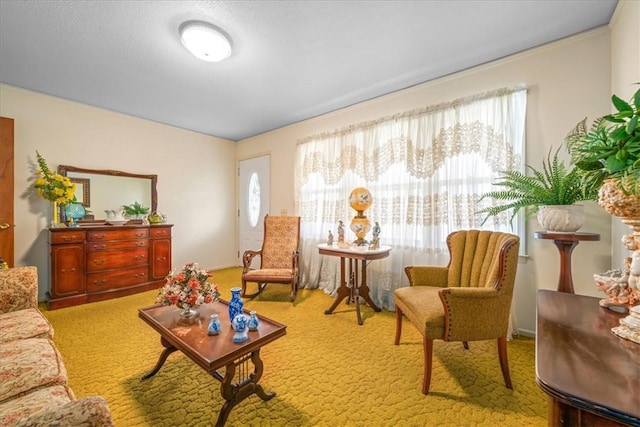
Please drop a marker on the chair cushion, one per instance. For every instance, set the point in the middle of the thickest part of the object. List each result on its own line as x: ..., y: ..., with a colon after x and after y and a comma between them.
x: 269, y: 274
x: 21, y: 324
x: 29, y: 364
x: 422, y: 306
x: 281, y: 240
x: 22, y: 407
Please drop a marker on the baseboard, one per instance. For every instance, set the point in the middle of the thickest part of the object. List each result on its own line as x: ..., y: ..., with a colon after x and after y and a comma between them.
x: 526, y: 333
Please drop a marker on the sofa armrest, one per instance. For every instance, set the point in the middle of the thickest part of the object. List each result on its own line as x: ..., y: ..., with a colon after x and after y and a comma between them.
x: 18, y: 288
x: 88, y: 412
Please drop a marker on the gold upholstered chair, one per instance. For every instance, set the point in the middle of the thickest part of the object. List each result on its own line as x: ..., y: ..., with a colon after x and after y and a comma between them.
x: 278, y: 256
x: 468, y: 300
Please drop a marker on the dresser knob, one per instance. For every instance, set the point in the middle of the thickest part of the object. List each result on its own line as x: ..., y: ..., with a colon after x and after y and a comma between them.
x: 98, y: 261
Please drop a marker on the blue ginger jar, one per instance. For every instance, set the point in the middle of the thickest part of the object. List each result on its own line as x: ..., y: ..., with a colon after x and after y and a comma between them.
x: 214, y: 325
x: 253, y: 321
x: 235, y: 304
x: 240, y: 325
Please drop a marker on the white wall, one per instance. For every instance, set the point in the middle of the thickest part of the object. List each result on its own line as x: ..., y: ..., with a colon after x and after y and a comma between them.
x: 196, y: 174
x: 567, y: 81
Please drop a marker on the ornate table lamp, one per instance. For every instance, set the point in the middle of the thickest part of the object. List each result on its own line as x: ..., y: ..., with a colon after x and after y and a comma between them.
x: 360, y: 200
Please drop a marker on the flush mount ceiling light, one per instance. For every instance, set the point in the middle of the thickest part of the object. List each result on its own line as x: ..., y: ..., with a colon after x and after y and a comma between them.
x: 205, y: 41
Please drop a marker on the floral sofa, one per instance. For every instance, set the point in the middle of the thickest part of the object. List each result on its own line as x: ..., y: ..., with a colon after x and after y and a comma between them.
x: 34, y: 389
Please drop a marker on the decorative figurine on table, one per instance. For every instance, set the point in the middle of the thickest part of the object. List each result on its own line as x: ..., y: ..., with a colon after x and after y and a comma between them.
x: 214, y: 327
x: 621, y: 286
x: 341, y: 241
x: 330, y: 238
x: 375, y: 242
x: 253, y: 322
x: 240, y: 324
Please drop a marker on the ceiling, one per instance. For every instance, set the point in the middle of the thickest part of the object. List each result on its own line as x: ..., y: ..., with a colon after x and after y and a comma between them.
x: 292, y: 60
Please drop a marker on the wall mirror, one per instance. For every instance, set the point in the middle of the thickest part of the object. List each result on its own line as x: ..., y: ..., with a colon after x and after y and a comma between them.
x: 101, y: 190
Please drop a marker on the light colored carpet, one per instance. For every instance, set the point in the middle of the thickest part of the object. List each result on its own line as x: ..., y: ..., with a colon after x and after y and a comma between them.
x: 327, y: 370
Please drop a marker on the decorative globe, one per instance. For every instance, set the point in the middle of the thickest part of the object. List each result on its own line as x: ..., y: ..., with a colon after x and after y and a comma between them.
x: 74, y: 212
x: 360, y: 199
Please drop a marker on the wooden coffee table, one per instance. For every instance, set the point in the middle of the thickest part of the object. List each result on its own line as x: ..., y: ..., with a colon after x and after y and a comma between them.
x: 211, y: 353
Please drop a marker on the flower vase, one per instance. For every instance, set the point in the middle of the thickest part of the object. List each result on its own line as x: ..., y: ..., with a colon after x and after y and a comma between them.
x: 253, y: 321
x: 214, y: 327
x: 240, y: 325
x: 187, y: 311
x: 55, y: 218
x: 235, y: 304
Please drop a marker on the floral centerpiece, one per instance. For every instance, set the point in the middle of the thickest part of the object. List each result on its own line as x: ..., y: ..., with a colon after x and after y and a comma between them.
x: 188, y: 288
x: 53, y: 187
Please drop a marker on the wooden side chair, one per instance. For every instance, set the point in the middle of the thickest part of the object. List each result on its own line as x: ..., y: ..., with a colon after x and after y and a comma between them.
x: 468, y: 300
x: 278, y: 256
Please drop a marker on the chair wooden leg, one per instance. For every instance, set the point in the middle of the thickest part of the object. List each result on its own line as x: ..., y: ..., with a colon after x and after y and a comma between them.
x: 261, y: 286
x: 466, y: 345
x: 398, y: 325
x: 428, y: 359
x: 294, y: 290
x: 504, y: 363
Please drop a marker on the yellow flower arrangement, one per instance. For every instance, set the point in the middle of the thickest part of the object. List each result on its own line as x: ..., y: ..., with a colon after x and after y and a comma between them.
x: 52, y: 186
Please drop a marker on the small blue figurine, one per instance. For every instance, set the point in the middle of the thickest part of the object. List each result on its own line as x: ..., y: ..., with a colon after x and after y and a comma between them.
x: 253, y: 321
x: 214, y: 325
x: 240, y: 325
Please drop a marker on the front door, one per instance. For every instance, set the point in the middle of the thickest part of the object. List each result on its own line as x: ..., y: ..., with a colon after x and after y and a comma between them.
x: 253, y: 204
x: 6, y: 191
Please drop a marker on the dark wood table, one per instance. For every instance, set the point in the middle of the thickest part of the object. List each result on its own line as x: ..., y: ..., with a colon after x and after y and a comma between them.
x: 591, y: 375
x: 211, y: 353
x: 357, y: 286
x: 565, y: 242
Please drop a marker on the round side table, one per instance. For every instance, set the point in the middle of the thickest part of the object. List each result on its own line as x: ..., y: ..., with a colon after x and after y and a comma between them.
x: 565, y: 242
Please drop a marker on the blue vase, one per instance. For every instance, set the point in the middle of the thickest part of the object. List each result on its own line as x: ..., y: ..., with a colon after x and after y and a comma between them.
x: 240, y: 325
x: 235, y: 304
x: 214, y: 325
x: 253, y: 321
x: 74, y: 212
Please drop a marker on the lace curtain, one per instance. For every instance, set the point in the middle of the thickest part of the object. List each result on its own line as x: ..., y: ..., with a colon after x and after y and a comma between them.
x: 425, y: 169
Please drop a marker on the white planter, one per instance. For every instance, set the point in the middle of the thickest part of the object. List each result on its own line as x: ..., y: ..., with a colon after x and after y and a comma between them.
x: 561, y: 218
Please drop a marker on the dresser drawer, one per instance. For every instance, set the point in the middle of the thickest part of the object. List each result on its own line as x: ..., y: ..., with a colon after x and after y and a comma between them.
x: 105, y: 281
x: 117, y: 244
x: 160, y: 232
x: 102, y: 235
x: 107, y: 260
x: 61, y: 237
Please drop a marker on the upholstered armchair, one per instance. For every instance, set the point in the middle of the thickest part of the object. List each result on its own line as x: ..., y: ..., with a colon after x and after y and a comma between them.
x: 468, y: 300
x: 278, y: 256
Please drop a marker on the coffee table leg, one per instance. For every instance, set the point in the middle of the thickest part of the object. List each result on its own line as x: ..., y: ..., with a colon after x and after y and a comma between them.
x: 234, y: 393
x: 168, y: 349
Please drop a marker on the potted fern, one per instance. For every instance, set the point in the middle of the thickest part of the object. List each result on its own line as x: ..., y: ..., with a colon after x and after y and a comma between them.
x: 551, y: 193
x: 608, y: 157
x: 135, y: 210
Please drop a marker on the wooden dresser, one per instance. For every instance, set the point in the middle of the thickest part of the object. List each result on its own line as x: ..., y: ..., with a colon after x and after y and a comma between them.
x: 94, y: 263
